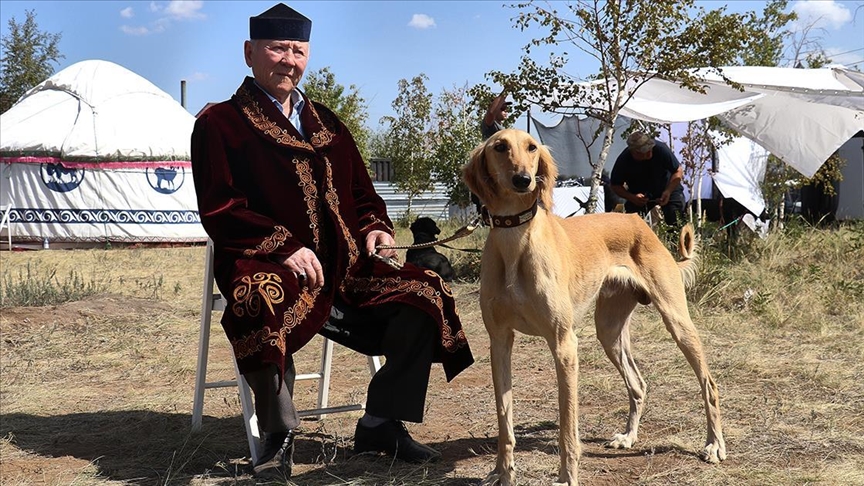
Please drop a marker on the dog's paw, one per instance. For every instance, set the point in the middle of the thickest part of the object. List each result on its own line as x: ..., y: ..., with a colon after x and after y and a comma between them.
x: 621, y: 441
x: 714, y: 452
x: 497, y: 478
x: 491, y: 479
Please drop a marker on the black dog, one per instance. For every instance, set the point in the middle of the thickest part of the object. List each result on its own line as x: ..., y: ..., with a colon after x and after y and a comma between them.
x: 425, y: 230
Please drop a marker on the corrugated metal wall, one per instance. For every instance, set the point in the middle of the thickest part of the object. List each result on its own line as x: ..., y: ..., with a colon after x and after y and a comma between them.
x: 433, y: 204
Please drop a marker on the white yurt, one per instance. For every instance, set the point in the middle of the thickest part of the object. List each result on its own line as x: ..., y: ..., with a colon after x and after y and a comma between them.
x: 97, y: 154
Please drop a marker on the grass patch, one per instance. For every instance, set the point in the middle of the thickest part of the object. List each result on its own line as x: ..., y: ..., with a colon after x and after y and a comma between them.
x: 38, y: 285
x: 781, y: 320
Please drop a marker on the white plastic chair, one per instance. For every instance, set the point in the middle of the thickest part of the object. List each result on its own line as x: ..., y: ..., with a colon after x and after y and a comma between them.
x: 213, y: 301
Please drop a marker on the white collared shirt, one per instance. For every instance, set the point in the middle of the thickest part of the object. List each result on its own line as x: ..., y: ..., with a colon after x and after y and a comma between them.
x: 297, y: 103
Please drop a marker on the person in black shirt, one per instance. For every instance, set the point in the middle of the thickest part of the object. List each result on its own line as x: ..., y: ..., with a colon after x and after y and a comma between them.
x: 648, y: 174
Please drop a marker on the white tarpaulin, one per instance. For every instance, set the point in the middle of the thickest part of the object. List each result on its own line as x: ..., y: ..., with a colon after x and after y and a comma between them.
x: 98, y: 153
x: 740, y: 170
x: 567, y: 201
x: 800, y: 115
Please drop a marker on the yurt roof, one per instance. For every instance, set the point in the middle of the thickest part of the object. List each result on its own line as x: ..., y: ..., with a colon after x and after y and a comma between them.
x: 95, y: 113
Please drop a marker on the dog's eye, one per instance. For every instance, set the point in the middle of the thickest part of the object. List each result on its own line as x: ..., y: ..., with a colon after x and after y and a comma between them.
x: 532, y: 148
x: 501, y: 147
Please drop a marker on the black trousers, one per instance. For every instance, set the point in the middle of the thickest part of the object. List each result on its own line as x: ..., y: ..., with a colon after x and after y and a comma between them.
x: 403, y: 334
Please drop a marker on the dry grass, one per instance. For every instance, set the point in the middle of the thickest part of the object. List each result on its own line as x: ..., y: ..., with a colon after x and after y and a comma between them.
x: 99, y: 391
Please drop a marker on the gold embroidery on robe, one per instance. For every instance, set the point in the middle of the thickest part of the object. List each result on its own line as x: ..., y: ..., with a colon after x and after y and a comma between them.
x: 251, y: 291
x: 373, y: 221
x: 253, y: 343
x: 310, y: 195
x: 259, y: 120
x: 422, y: 289
x: 333, y: 201
x: 271, y: 243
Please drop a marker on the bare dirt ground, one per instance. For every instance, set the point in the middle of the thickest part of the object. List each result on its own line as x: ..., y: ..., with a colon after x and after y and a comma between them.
x: 99, y: 391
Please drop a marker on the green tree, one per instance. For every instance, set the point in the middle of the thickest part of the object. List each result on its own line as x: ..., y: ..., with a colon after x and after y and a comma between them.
x: 772, y: 37
x: 348, y: 105
x: 764, y: 48
x: 409, y: 138
x: 632, y: 41
x: 769, y: 34
x: 27, y: 57
x: 456, y: 134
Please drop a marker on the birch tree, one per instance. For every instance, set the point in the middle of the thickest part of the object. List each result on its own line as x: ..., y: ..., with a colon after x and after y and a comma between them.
x: 408, y: 138
x: 631, y: 41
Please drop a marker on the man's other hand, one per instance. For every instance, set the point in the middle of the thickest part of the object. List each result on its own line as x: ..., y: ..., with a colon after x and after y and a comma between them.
x: 377, y: 238
x: 639, y: 199
x: 305, y: 265
x: 664, y: 198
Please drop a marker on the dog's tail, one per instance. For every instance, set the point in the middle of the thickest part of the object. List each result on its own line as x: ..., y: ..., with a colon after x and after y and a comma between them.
x: 687, y: 247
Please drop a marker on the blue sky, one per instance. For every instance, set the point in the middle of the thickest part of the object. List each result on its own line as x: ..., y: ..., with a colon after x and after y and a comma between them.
x: 369, y: 44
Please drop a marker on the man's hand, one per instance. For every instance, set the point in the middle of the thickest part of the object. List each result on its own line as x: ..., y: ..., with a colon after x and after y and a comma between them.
x: 376, y: 238
x: 495, y: 109
x: 304, y: 263
x: 639, y: 199
x: 664, y: 198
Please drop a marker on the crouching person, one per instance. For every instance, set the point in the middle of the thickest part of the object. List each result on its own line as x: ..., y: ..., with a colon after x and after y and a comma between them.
x: 295, y: 221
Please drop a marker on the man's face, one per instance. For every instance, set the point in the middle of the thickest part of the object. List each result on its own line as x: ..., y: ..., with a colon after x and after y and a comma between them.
x: 502, y: 113
x: 642, y: 155
x: 277, y: 65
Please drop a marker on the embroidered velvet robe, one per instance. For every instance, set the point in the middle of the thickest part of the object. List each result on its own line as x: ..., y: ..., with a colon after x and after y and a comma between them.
x: 263, y: 193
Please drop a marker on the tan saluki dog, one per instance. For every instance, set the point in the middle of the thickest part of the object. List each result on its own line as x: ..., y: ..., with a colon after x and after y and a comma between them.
x: 539, y: 273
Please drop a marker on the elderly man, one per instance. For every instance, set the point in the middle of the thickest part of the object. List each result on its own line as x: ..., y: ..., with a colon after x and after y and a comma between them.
x: 648, y: 174
x: 295, y: 221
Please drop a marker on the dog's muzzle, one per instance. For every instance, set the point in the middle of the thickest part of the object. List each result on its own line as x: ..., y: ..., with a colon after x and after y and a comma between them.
x: 521, y: 181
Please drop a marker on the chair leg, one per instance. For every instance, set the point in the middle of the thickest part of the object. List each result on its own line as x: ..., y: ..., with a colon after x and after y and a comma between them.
x: 203, y: 338
x: 324, y: 381
x: 374, y: 364
x: 250, y: 420
x: 200, y: 377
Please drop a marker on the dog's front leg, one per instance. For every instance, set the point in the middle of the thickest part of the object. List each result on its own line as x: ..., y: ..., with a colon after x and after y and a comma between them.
x: 564, y: 350
x: 500, y: 351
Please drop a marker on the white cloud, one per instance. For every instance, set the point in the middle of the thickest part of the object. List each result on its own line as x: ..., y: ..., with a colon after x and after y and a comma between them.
x: 821, y: 13
x: 175, y: 10
x: 421, y: 21
x: 197, y: 76
x: 141, y: 30
x: 184, y: 9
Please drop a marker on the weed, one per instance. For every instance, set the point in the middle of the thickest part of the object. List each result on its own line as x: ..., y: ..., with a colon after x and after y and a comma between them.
x: 36, y: 285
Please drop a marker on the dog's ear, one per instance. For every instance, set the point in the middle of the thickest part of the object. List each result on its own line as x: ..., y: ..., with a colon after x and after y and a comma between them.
x: 476, y: 174
x: 547, y: 175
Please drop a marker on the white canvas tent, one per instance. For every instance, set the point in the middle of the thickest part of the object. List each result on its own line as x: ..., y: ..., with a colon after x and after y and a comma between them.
x: 740, y: 164
x: 96, y: 153
x: 800, y: 115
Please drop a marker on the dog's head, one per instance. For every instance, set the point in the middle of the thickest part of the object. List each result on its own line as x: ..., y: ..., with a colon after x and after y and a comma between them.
x: 425, y: 225
x: 511, y: 166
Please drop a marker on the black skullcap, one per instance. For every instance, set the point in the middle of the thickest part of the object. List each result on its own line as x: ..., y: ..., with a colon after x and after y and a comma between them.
x: 281, y: 22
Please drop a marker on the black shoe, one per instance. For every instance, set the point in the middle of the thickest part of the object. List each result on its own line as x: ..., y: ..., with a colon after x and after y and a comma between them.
x: 277, y: 456
x: 392, y: 437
